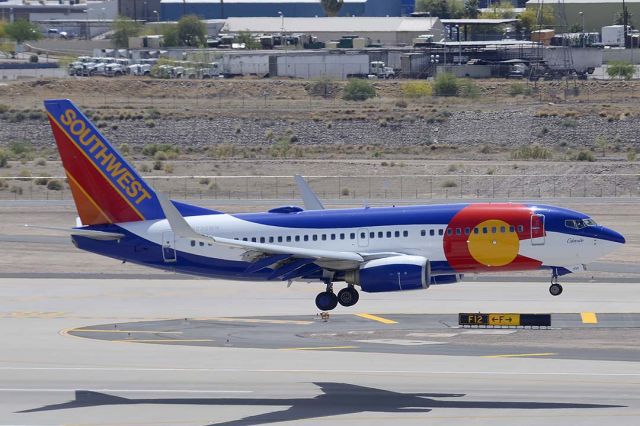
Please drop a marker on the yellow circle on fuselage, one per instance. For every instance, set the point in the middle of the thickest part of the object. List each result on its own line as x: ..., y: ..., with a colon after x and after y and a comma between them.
x: 496, y: 247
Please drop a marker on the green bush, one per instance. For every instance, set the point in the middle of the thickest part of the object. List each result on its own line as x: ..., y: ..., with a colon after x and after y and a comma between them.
x: 358, y: 90
x: 41, y: 181
x: 41, y: 162
x: 519, y: 89
x: 416, y: 89
x: 531, y: 152
x: 446, y: 84
x: 469, y: 89
x: 55, y: 185
x: 584, y: 156
x: 3, y: 108
x: 449, y: 184
x: 621, y: 69
x: 4, y: 158
x: 323, y: 86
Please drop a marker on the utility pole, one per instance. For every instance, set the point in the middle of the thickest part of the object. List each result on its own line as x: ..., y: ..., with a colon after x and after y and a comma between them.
x: 625, y: 21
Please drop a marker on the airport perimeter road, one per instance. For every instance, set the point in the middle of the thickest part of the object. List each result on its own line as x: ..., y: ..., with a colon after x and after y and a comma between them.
x: 48, y: 377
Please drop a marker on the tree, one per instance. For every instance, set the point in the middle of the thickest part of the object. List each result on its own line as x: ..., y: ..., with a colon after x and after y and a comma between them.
x: 443, y: 9
x: 358, y: 90
x: 575, y: 28
x: 529, y: 18
x: 123, y: 28
x: 619, y: 18
x: 22, y: 30
x: 621, y: 69
x: 471, y: 9
x: 2, y: 30
x: 192, y: 31
x: 248, y: 39
x: 170, y: 35
x: 331, y: 7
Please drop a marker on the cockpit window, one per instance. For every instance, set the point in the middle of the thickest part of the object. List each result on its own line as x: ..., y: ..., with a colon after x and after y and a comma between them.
x: 579, y: 223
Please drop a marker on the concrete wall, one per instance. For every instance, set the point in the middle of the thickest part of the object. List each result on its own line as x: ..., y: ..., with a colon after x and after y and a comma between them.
x: 32, y: 73
x: 71, y: 47
x: 473, y: 71
x: 627, y: 55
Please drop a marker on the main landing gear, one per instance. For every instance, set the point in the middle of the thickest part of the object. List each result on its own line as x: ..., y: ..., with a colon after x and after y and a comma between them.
x: 327, y: 300
x: 555, y: 289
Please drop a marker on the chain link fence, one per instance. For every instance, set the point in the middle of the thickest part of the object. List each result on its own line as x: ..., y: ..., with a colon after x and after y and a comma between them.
x: 375, y: 188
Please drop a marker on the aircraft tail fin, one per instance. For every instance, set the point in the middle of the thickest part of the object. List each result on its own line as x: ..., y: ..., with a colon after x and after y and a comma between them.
x: 105, y: 187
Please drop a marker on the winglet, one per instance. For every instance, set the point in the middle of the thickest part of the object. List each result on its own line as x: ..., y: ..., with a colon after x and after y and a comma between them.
x: 177, y: 222
x: 311, y: 200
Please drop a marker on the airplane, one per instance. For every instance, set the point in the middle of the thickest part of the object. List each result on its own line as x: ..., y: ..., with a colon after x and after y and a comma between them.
x: 376, y: 249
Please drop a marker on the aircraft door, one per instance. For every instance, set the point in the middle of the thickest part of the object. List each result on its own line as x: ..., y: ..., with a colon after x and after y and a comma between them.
x: 537, y: 230
x: 169, y: 247
x: 363, y: 237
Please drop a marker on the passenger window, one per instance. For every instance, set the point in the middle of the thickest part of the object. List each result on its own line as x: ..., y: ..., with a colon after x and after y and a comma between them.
x: 342, y: 236
x: 440, y: 232
x: 279, y: 239
x: 193, y: 243
x: 485, y: 230
x: 494, y: 229
x: 503, y: 229
x: 458, y: 231
x: 423, y: 233
x: 520, y: 228
x: 262, y: 239
x: 306, y: 238
x: 315, y: 237
x: 397, y: 234
x: 253, y: 239
x: 467, y: 231
x: 352, y: 235
x: 363, y: 235
x: 245, y: 239
x: 201, y: 244
x: 324, y: 237
x: 388, y: 234
x: 270, y: 239
x: 512, y: 229
x: 297, y: 238
x: 288, y: 238
x: 372, y: 234
x: 476, y: 230
x: 333, y: 236
x: 432, y: 232
x: 380, y: 234
x: 449, y: 231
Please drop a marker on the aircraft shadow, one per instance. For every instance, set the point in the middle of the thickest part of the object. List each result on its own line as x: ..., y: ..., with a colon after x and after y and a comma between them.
x: 335, y: 399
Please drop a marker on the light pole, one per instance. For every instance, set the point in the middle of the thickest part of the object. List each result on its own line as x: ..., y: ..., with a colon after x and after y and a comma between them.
x: 157, y: 15
x: 284, y: 41
x: 584, y: 42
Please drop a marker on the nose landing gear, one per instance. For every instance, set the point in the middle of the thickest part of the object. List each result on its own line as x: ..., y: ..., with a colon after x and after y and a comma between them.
x: 555, y: 289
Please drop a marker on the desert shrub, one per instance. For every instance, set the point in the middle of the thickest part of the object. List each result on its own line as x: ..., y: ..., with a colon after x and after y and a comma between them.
x: 16, y: 190
x: 150, y: 123
x: 569, y: 122
x: 323, y: 86
x: 160, y: 155
x: 40, y: 162
x: 4, y: 158
x: 416, y: 89
x: 157, y: 165
x: 516, y: 89
x: 55, y: 185
x: 401, y: 103
x: 25, y: 175
x: 168, y: 168
x: 3, y: 108
x: 20, y: 148
x: 584, y: 156
x: 144, y: 168
x: 449, y: 184
x: 358, y: 90
x: 469, y: 89
x: 345, y: 192
x: 446, y: 84
x: 153, y: 113
x: 3, y: 185
x: 531, y: 152
x: 621, y: 69
x: 631, y: 155
x: 36, y: 115
x: 204, y: 181
x: 41, y: 181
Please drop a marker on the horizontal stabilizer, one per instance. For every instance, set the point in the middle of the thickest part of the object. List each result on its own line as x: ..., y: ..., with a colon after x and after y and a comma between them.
x: 88, y: 233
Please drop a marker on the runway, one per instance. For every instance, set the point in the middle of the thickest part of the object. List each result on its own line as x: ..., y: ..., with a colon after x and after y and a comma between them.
x: 51, y: 377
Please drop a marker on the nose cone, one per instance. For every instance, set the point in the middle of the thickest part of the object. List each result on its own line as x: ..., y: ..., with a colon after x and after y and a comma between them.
x: 611, y: 235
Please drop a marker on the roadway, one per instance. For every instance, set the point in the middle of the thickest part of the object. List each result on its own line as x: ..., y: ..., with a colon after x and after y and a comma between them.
x: 51, y: 376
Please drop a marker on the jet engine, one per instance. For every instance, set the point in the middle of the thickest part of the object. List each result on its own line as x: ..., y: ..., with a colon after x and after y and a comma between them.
x: 445, y: 279
x: 395, y: 273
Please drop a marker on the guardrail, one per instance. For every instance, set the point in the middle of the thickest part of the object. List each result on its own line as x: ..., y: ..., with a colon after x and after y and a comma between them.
x: 400, y: 187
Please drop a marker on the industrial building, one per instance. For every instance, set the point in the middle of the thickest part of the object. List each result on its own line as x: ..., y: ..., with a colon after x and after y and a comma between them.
x: 595, y: 14
x: 172, y: 10
x: 385, y: 31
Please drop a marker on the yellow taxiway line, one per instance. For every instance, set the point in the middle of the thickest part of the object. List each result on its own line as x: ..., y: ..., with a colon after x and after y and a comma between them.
x: 162, y: 340
x: 589, y: 317
x: 519, y: 355
x: 89, y: 330
x: 376, y: 318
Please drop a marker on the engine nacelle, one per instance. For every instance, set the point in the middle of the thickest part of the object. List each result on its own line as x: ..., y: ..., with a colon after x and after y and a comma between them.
x: 446, y: 279
x: 395, y: 273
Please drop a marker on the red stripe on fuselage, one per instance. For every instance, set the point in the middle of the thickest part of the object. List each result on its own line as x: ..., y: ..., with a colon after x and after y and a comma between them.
x: 93, y: 182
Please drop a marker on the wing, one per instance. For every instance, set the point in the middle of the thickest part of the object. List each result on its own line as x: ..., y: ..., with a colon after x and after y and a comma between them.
x: 270, y: 254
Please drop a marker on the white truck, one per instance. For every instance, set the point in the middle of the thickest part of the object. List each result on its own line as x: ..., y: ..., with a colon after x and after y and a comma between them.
x: 211, y: 71
x: 77, y: 67
x: 613, y: 35
x: 378, y: 69
x: 140, y: 69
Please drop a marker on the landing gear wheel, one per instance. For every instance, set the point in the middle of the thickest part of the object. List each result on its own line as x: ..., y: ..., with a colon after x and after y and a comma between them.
x: 555, y: 289
x: 326, y: 301
x: 348, y: 296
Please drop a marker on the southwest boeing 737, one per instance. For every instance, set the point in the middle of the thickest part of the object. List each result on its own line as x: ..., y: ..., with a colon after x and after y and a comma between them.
x: 376, y: 249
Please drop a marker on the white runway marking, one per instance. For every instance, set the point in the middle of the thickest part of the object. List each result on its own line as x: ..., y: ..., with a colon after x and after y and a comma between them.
x: 123, y: 390
x: 401, y: 342
x: 316, y: 371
